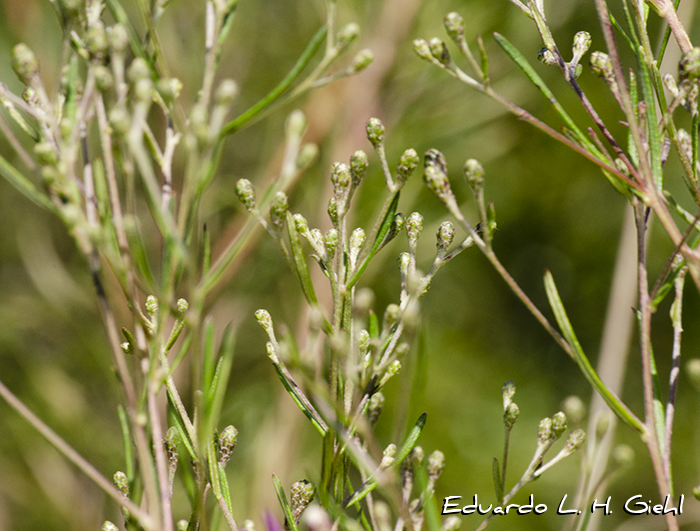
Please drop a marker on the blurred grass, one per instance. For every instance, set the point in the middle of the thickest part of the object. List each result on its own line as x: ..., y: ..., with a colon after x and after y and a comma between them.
x: 554, y: 210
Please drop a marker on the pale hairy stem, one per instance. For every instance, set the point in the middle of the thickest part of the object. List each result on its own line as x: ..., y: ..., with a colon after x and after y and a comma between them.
x: 160, y: 458
x: 652, y: 440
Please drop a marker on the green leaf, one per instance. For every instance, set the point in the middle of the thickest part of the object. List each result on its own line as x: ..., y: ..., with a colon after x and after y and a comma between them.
x: 25, y: 186
x: 286, y: 509
x: 217, y: 390
x: 383, y: 236
x: 618, y: 407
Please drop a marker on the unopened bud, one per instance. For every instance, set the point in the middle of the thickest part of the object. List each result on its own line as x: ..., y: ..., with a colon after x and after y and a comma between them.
x: 347, y: 35
x: 601, y: 65
x: 545, y: 433
x: 109, y: 526
x: 278, y: 211
x: 582, y: 42
x: 407, y: 164
x: 301, y: 225
x: 246, y: 194
x: 357, y: 240
x: 296, y: 124
x: 422, y: 49
x: 341, y: 179
x: 151, y: 305
x: 435, y: 175
x: 623, y: 456
x: 454, y: 25
x: 414, y: 226
x: 474, y: 172
x: 511, y: 414
x: 358, y: 167
x: 546, y: 57
x: 307, y: 154
x: 391, y: 315
x: 451, y: 523
x: 24, y: 63
x: 118, y: 38
x: 264, y: 319
x: 331, y: 242
x: 574, y: 408
x: 445, y: 235
x: 689, y: 67
x: 96, y: 40
x: 227, y: 442
x: 226, y: 92
x: 122, y: 483
x: 436, y: 464
x: 376, y: 405
x: 388, y: 456
x: 375, y: 131
x: 362, y: 60
x: 559, y: 424
x: 302, y: 493
x: 438, y: 50
x: 333, y: 210
x: 575, y: 440
x: 138, y: 69
x: 103, y: 78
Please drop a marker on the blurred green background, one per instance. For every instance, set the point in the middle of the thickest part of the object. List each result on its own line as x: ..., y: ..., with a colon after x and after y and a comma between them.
x: 554, y: 211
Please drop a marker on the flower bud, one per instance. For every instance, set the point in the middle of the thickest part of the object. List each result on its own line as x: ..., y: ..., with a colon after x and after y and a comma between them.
x: 546, y: 57
x: 582, y: 42
x: 375, y: 131
x: 422, y: 49
x: 436, y: 464
x: 122, y: 483
x: 119, y: 121
x: 151, y: 305
x: 362, y: 60
x: 358, y: 167
x: 333, y: 210
x: 545, y: 432
x: 138, y: 69
x: 170, y: 447
x: 118, y: 38
x: 246, y: 194
x: 601, y: 65
x: 404, y: 263
x: 376, y: 405
x: 574, y: 408
x: 24, y: 63
x: 331, y: 243
x: 559, y: 424
x: 103, y: 78
x: 407, y: 164
x: 317, y: 237
x: 388, y: 456
x: 96, y: 40
x: 278, y: 211
x: 575, y: 440
x: 623, y: 456
x: 451, y: 523
x: 435, y: 175
x: 445, y: 235
x: 302, y: 493
x: 347, y: 35
x: 341, y: 179
x: 510, y: 415
x: 301, y: 225
x: 225, y: 92
x: 357, y: 240
x: 414, y: 226
x: 143, y: 90
x: 182, y: 525
x: 249, y: 525
x: 417, y: 455
x: 692, y: 369
x: 454, y: 25
x: 182, y: 306
x: 689, y: 67
x: 227, y: 442
x: 508, y: 391
x: 391, y: 315
x: 46, y: 153
x: 296, y: 124
x: 109, y: 526
x: 391, y: 371
x: 474, y: 172
x: 264, y: 319
x: 439, y: 51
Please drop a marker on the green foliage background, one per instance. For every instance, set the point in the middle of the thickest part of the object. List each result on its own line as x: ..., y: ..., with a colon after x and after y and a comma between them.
x: 555, y: 211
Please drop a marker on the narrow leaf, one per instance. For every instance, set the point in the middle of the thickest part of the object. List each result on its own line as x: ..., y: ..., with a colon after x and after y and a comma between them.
x: 286, y: 509
x: 618, y: 407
